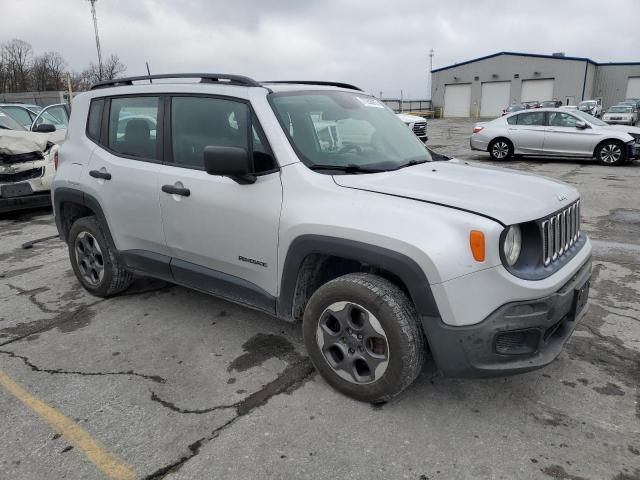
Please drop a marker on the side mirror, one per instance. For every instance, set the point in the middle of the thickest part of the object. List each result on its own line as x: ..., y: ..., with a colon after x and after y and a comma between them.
x: 232, y: 162
x: 581, y: 125
x: 44, y: 128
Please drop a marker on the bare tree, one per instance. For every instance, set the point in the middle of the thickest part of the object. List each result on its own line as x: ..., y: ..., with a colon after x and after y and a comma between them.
x: 17, y: 57
x: 48, y: 71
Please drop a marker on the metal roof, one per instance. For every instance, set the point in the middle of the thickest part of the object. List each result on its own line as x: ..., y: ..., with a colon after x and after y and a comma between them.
x: 535, y: 55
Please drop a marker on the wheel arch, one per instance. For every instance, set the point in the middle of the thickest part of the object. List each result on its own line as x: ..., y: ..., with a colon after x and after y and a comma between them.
x: 69, y: 204
x: 313, y: 260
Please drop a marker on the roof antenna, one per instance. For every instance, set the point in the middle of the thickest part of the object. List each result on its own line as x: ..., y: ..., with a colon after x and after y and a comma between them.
x: 149, y: 72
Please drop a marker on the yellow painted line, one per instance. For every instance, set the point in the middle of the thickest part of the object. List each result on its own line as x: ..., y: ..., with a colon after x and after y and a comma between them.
x: 110, y: 465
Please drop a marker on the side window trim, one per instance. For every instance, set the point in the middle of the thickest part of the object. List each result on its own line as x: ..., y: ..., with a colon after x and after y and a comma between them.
x: 252, y: 117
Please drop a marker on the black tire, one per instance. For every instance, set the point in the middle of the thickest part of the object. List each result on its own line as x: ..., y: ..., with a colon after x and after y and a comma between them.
x: 500, y: 149
x: 103, y: 275
x: 611, y: 153
x: 395, y: 314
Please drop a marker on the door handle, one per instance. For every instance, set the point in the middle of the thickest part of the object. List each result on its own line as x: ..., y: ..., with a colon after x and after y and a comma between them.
x: 173, y: 190
x: 99, y: 174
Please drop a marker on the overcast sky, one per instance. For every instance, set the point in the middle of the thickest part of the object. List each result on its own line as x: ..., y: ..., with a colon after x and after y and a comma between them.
x: 378, y: 45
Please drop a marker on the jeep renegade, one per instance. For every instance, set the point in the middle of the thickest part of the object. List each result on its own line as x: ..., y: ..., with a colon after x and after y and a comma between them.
x: 312, y: 202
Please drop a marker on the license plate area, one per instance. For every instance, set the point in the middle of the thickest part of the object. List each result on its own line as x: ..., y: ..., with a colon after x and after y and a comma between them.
x: 580, y: 299
x: 15, y: 190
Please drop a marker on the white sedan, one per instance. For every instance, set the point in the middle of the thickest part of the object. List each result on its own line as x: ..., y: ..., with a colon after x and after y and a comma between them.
x: 624, y: 114
x: 556, y: 132
x: 418, y: 125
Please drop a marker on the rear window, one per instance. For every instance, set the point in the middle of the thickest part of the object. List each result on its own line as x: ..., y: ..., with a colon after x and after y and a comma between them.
x: 95, y: 118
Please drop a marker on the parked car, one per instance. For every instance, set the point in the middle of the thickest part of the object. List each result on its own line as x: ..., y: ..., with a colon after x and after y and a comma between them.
x: 418, y: 125
x: 531, y: 104
x: 27, y: 167
x: 376, y: 249
x: 624, y: 114
x: 28, y: 118
x: 551, y: 104
x: 556, y: 132
x: 516, y: 107
x: 635, y: 101
x: 592, y: 107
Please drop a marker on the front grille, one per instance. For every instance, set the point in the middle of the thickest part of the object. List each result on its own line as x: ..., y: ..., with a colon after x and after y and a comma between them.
x: 420, y: 128
x: 21, y: 176
x: 560, y: 232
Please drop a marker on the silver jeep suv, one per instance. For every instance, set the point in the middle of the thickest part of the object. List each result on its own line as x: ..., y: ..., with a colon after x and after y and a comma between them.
x: 312, y: 202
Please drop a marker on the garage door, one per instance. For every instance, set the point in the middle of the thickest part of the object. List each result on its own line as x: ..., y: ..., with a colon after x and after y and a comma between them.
x: 495, y: 97
x: 539, y: 90
x: 457, y: 100
x: 633, y: 88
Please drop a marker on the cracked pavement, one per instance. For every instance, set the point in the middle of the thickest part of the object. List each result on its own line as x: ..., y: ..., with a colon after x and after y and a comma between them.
x: 182, y: 385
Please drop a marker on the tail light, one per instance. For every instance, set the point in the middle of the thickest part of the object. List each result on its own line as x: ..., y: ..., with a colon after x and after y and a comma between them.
x: 56, y: 159
x: 477, y: 129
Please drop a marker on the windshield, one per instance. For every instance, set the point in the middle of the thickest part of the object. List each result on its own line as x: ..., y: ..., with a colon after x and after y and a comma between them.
x: 587, y: 104
x: 346, y: 130
x: 620, y: 109
x: 8, y: 123
x: 590, y: 118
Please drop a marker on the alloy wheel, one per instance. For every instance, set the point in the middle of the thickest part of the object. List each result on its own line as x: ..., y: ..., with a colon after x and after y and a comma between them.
x: 500, y: 150
x: 89, y: 258
x: 610, y: 153
x: 353, y: 342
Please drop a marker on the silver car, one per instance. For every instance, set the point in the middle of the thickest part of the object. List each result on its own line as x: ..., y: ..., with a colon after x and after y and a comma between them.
x: 556, y: 132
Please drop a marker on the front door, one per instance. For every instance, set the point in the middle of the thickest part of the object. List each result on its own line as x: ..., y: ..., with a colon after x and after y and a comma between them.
x: 563, y: 138
x: 223, y: 236
x: 527, y: 131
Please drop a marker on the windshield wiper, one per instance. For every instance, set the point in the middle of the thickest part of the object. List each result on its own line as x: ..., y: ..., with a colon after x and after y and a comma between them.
x: 412, y: 163
x: 347, y: 168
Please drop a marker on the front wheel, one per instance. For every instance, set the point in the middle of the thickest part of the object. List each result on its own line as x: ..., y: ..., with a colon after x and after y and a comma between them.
x: 501, y: 149
x: 611, y: 153
x: 362, y: 334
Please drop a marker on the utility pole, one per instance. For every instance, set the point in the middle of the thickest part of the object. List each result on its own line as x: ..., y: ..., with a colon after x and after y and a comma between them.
x: 95, y: 28
x: 431, y: 52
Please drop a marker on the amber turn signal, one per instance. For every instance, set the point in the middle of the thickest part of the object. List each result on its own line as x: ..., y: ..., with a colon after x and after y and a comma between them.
x: 476, y: 242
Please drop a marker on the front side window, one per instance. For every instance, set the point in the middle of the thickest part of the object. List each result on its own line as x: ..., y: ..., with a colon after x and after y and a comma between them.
x: 343, y: 130
x: 133, y: 126
x: 199, y: 122
x: 531, y: 118
x: 560, y: 119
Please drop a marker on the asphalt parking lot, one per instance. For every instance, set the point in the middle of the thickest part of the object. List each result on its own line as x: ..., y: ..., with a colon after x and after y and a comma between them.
x: 164, y: 382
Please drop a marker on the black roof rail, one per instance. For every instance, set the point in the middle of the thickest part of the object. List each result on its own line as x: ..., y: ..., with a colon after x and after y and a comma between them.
x: 320, y: 82
x: 204, y: 78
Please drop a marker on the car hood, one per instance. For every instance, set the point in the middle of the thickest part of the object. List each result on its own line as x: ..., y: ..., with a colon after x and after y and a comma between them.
x: 409, y: 118
x: 504, y: 195
x: 623, y: 128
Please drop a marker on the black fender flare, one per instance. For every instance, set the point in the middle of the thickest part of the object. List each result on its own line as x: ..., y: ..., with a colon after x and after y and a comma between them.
x: 64, y: 195
x: 396, y: 263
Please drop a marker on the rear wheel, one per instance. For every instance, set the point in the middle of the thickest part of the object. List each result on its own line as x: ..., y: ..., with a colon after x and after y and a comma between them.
x: 97, y: 267
x: 611, y: 153
x: 501, y: 149
x: 362, y: 334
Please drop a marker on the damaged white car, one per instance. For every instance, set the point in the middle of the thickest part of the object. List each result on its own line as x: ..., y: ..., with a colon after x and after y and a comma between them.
x: 28, y: 163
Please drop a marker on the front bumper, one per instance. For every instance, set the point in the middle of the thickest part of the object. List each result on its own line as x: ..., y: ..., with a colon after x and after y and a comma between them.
x: 516, y: 338
x: 35, y: 200
x: 633, y: 151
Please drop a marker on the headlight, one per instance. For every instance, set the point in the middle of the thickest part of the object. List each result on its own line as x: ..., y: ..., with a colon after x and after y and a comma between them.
x: 512, y: 245
x: 636, y: 137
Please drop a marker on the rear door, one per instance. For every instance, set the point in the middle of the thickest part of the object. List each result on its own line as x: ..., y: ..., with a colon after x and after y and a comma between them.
x: 563, y: 138
x: 223, y: 236
x: 122, y: 172
x: 527, y: 130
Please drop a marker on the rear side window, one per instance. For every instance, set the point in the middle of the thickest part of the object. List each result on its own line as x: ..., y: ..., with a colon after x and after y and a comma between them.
x: 530, y: 118
x: 94, y: 120
x: 133, y: 126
